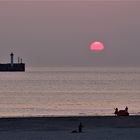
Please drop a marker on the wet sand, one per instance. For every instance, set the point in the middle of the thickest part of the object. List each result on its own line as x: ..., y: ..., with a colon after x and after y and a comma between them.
x: 60, y: 128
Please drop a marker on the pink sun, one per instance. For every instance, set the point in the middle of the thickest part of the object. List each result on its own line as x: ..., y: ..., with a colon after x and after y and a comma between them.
x: 97, y: 46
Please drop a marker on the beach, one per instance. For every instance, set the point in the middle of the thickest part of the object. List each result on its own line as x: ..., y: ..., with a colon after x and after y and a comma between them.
x: 60, y: 128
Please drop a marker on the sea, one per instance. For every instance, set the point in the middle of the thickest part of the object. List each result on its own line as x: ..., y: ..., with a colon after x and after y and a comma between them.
x: 69, y: 91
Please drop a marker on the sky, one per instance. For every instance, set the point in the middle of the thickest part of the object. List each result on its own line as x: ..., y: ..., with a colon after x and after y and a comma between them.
x: 59, y: 32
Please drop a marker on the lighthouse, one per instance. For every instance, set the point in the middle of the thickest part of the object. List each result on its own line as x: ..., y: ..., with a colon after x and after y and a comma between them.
x: 12, y: 66
x: 12, y: 59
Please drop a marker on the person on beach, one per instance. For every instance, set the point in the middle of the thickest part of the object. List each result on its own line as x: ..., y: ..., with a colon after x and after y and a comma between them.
x: 80, y: 127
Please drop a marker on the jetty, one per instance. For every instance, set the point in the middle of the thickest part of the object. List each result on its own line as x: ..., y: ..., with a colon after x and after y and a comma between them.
x: 11, y: 67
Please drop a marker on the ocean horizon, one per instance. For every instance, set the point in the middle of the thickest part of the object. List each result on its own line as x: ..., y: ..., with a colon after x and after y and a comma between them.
x: 67, y: 91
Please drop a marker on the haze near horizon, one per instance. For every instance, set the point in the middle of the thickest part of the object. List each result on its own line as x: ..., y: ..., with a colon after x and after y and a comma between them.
x: 59, y: 33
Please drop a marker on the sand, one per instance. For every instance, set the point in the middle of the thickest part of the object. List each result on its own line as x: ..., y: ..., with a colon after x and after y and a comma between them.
x: 60, y: 128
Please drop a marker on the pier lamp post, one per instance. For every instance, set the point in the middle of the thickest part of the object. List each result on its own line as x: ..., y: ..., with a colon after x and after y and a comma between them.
x: 12, y: 59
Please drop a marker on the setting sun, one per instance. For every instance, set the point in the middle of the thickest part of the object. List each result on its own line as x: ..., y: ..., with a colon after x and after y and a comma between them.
x: 97, y: 46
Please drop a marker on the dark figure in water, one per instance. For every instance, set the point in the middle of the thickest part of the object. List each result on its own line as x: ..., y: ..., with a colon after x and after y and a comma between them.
x: 80, y: 127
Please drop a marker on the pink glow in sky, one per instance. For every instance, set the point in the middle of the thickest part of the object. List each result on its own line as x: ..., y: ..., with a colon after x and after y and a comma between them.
x: 97, y: 46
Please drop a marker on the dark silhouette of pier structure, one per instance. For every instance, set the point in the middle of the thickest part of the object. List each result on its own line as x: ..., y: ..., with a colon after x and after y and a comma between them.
x: 19, y: 66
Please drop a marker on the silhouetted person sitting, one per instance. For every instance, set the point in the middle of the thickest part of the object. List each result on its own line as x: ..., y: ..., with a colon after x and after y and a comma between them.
x: 80, y: 127
x: 74, y: 131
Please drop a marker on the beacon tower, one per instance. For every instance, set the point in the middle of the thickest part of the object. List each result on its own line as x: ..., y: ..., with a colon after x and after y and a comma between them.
x: 12, y: 66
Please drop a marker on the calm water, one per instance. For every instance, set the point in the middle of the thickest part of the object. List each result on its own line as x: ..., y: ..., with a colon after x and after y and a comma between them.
x: 69, y: 91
